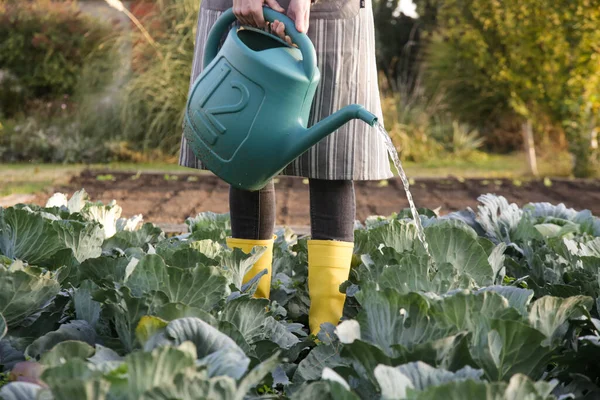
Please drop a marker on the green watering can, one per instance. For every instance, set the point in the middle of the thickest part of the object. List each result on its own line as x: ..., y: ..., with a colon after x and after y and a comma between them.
x: 247, y: 113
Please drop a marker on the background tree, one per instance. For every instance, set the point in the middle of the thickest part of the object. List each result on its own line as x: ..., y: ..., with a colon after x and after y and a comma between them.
x: 538, y: 61
x: 398, y: 44
x: 427, y: 10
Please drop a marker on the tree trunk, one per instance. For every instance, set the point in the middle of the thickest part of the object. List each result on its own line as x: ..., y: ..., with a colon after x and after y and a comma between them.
x: 583, y: 144
x: 529, y: 147
x: 582, y: 152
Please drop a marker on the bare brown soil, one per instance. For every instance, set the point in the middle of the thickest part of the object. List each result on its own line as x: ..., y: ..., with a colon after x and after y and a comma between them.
x: 162, y: 200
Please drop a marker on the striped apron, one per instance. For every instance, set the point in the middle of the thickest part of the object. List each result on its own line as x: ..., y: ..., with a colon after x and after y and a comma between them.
x: 344, y: 39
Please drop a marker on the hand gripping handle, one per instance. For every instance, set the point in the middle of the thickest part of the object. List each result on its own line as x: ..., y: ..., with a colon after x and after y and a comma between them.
x: 309, y: 57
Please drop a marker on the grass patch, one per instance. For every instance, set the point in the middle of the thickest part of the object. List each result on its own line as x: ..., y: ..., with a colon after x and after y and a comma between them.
x: 489, y: 166
x: 35, y: 178
x: 22, y: 179
x: 23, y: 188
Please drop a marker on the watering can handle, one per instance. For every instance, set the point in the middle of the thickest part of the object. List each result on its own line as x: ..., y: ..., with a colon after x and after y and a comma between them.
x: 309, y: 57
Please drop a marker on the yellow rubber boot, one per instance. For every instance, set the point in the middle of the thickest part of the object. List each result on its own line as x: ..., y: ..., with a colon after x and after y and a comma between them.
x: 265, y: 261
x: 328, y: 267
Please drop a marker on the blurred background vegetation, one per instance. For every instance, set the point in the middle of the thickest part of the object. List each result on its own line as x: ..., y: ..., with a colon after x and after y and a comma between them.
x: 466, y: 80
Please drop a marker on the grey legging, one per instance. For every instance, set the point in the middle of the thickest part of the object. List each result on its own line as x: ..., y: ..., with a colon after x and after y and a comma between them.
x: 332, y: 211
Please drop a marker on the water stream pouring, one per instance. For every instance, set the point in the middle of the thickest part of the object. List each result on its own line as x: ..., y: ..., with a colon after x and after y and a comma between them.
x: 247, y: 113
x: 413, y: 209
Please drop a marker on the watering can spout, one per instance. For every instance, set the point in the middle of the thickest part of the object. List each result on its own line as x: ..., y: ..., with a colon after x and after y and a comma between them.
x: 330, y: 124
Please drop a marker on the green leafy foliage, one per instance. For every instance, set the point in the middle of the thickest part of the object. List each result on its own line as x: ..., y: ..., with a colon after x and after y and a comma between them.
x: 46, y: 45
x: 24, y: 291
x: 152, y: 103
x: 534, y: 61
x: 506, y: 308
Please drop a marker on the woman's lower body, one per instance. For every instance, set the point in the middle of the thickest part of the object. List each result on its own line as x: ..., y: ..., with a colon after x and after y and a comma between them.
x: 344, y: 40
x: 332, y: 211
x: 332, y: 214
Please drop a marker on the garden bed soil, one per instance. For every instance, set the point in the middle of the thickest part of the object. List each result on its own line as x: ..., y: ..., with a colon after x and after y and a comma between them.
x: 171, y: 199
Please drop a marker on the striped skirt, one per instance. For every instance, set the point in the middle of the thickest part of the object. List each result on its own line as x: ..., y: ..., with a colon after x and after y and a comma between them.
x: 344, y: 39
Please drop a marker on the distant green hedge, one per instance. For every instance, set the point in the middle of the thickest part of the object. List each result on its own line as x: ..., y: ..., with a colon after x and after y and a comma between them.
x: 46, y: 45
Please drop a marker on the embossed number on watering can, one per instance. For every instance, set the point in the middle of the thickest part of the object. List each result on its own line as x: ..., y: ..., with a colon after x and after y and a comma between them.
x: 214, y: 128
x: 229, y: 98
